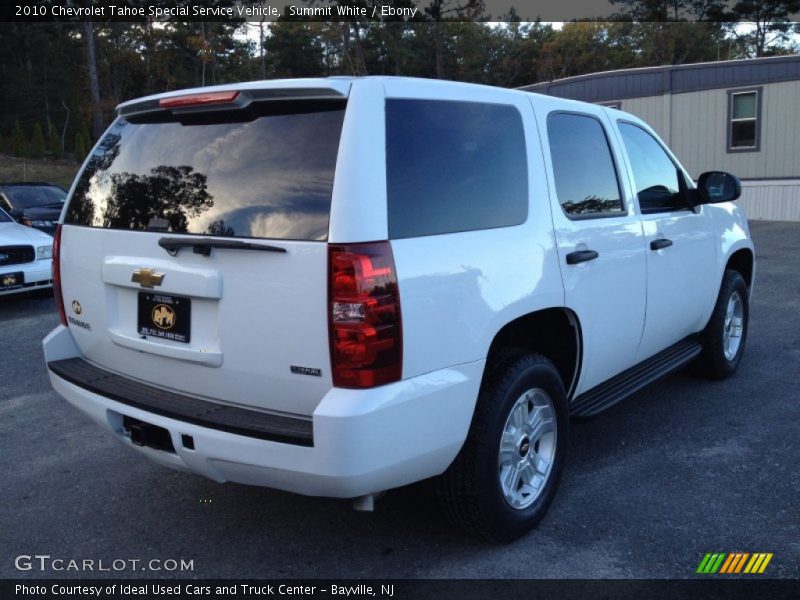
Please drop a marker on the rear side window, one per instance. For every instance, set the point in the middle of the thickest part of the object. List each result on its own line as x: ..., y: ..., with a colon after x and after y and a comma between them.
x: 585, y: 177
x: 262, y: 173
x: 454, y: 166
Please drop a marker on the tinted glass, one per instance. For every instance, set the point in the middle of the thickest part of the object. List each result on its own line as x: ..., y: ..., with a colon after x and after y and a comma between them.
x: 454, y: 166
x: 4, y: 218
x: 585, y: 177
x: 744, y: 106
x: 28, y: 196
x: 269, y: 176
x: 654, y: 173
x: 743, y: 134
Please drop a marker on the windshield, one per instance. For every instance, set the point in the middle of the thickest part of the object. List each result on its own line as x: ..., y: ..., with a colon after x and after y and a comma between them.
x: 4, y: 218
x: 30, y: 196
x: 263, y: 173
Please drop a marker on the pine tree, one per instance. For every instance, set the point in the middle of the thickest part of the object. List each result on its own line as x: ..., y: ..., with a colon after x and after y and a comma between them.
x: 18, y: 145
x: 81, y: 142
x: 37, y: 146
x: 54, y: 144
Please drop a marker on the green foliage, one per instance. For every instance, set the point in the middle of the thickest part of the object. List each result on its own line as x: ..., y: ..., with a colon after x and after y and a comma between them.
x: 44, y: 75
x: 770, y: 30
x: 54, y: 144
x: 37, y: 145
x: 19, y: 145
x: 82, y: 142
x: 294, y: 49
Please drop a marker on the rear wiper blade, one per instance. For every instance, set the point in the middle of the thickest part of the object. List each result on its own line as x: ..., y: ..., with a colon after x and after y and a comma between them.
x: 203, y: 246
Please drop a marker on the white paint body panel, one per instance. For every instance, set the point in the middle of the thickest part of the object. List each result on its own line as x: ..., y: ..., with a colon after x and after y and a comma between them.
x: 365, y: 441
x: 457, y: 290
x: 607, y: 294
x: 39, y: 271
x: 254, y: 314
x: 258, y: 313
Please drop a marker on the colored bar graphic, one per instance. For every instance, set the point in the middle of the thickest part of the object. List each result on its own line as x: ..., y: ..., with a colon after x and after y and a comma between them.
x: 764, y: 564
x: 702, y: 567
x: 730, y: 563
x: 732, y: 558
x: 741, y: 562
x: 711, y: 562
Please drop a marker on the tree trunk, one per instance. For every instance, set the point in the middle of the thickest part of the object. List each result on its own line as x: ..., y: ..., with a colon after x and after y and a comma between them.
x: 361, y: 63
x: 261, y: 48
x: 344, y: 27
x: 94, y: 84
x: 437, y: 38
x: 202, y: 52
x: 66, y: 124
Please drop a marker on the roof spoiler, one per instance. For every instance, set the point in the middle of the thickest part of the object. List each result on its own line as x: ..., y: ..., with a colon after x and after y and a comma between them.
x: 226, y: 100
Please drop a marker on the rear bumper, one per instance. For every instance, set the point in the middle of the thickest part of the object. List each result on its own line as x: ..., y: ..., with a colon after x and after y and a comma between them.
x: 364, y: 441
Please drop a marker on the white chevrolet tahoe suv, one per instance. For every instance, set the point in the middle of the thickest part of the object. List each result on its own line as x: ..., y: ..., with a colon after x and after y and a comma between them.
x: 340, y: 286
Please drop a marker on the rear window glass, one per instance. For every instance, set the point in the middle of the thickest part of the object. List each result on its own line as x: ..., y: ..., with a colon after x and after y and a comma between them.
x: 30, y: 196
x: 454, y: 166
x: 259, y: 174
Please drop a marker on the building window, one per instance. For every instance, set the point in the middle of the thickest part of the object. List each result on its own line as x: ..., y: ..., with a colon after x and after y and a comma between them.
x: 744, y: 120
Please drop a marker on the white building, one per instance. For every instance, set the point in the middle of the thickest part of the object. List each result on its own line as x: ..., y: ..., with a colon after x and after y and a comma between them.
x: 741, y: 116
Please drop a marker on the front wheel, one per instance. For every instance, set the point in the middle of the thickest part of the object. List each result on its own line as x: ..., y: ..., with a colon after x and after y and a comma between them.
x: 505, y: 477
x: 724, y: 337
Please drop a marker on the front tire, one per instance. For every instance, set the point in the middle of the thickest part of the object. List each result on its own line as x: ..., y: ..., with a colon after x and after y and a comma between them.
x: 505, y: 477
x: 724, y: 337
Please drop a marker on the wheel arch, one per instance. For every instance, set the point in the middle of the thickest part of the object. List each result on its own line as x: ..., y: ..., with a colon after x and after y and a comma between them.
x: 552, y: 332
x: 742, y: 260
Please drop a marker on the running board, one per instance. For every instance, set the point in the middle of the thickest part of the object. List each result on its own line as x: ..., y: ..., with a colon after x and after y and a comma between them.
x: 634, y: 379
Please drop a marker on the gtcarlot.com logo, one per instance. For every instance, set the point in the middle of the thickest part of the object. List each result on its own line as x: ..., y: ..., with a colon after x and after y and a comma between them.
x: 45, y: 562
x: 731, y: 563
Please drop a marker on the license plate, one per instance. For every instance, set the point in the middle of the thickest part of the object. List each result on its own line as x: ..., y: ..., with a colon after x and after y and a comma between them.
x: 167, y: 317
x: 9, y: 281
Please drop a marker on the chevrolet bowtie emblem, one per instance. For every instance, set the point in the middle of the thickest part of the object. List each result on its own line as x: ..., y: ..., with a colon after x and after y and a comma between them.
x: 147, y: 278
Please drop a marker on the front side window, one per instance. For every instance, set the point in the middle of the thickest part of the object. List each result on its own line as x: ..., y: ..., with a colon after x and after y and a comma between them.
x: 655, y: 175
x: 743, y: 117
x: 454, y: 166
x: 585, y: 176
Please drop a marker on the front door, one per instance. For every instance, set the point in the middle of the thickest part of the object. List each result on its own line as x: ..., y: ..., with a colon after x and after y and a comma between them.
x: 679, y: 243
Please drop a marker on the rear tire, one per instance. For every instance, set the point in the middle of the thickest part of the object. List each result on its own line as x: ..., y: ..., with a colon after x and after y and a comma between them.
x: 505, y: 477
x: 724, y: 337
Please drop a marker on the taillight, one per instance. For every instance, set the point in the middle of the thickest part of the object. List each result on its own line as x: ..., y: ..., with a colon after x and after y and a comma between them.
x: 62, y: 314
x: 201, y: 99
x: 364, y: 315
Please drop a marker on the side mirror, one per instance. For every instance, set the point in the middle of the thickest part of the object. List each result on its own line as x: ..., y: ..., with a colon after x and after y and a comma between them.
x: 718, y: 186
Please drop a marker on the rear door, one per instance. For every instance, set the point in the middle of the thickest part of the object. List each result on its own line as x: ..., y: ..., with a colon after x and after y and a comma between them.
x: 599, y: 238
x: 194, y: 251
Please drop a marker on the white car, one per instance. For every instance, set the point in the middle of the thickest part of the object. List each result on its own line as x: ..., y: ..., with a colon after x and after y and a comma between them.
x: 25, y: 257
x: 340, y: 286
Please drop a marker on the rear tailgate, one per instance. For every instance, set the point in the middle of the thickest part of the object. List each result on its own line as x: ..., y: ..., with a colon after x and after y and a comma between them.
x: 194, y: 251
